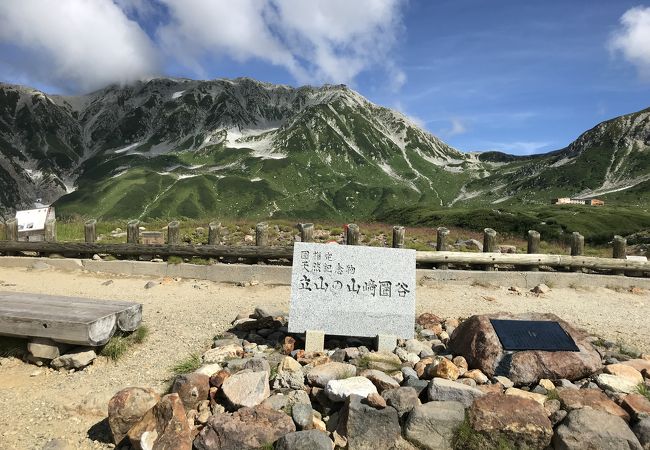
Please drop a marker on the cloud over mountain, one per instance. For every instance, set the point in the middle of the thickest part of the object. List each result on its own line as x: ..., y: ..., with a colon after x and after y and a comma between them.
x: 633, y: 37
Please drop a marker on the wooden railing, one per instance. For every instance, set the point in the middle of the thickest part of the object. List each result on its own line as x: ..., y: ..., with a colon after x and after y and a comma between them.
x: 488, y: 260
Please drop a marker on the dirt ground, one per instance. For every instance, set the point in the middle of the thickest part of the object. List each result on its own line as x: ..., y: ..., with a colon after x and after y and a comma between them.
x: 39, y: 404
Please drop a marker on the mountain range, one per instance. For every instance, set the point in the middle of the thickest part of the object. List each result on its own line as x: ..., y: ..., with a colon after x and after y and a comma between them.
x: 242, y: 148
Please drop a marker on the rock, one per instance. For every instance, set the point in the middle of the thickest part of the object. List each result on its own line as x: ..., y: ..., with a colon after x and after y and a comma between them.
x: 442, y: 369
x: 427, y: 320
x: 637, y: 405
x: 322, y: 374
x: 248, y: 428
x: 209, y: 369
x: 615, y: 383
x: 420, y: 386
x: 163, y: 427
x: 45, y: 348
x: 246, y: 388
x: 638, y: 364
x: 286, y: 402
x: 303, y: 416
x: 642, y: 432
x: 432, y: 425
x: 460, y: 362
x: 128, y: 407
x: 217, y: 379
x: 598, y: 428
x: 226, y: 339
x: 77, y: 358
x: 289, y: 374
x: 403, y: 399
x: 376, y: 401
x: 380, y: 379
x: 476, y: 375
x: 302, y: 440
x: 504, y: 381
x: 507, y: 249
x: 422, y: 365
x: 552, y: 406
x: 367, y: 428
x: 192, y: 389
x: 541, y: 289
x: 263, y: 312
x: 386, y: 362
x: 257, y: 365
x: 415, y: 346
x: 409, y: 372
x: 590, y: 398
x: 339, y: 390
x: 223, y: 353
x: 288, y: 345
x: 539, y: 398
x: 476, y: 340
x: 520, y: 421
x: 547, y: 384
x: 151, y: 284
x: 625, y: 371
x: 446, y: 390
x: 472, y: 244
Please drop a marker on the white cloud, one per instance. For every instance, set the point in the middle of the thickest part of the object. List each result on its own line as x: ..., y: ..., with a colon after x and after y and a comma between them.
x: 316, y: 41
x: 632, y: 40
x: 457, y: 127
x: 519, y: 147
x: 75, y: 44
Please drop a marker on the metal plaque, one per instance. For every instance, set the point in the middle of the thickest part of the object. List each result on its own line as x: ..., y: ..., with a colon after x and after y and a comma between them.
x: 542, y: 335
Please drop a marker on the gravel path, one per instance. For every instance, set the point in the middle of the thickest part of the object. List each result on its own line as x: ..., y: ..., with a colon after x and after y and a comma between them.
x: 39, y: 404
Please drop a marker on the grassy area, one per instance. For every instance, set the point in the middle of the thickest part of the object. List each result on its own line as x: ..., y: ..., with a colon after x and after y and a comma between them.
x: 189, y: 364
x: 120, y: 343
x: 10, y: 346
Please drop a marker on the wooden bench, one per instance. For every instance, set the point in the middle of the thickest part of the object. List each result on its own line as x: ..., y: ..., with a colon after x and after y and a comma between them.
x: 70, y: 320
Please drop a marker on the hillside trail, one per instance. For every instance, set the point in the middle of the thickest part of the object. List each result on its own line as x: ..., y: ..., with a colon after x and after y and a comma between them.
x: 39, y: 404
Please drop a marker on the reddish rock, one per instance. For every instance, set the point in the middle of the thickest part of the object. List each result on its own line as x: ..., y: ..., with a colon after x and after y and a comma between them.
x: 127, y: 408
x: 625, y: 371
x: 476, y: 340
x: 163, y: 427
x: 428, y: 320
x: 248, y: 428
x: 591, y: 398
x: 520, y: 420
x: 192, y: 388
x: 376, y: 401
x: 490, y: 388
x: 638, y: 364
x: 218, y: 378
x: 421, y: 366
x: 288, y: 346
x: 442, y: 369
x: 637, y: 405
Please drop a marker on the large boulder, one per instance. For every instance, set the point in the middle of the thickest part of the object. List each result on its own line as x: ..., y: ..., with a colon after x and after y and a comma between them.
x: 301, y: 440
x: 163, y: 427
x: 476, y: 340
x: 432, y: 425
x: 642, y: 431
x: 367, y: 428
x: 248, y: 428
x: 246, y: 388
x: 403, y: 399
x: 598, y: 428
x: 128, y: 407
x: 520, y: 421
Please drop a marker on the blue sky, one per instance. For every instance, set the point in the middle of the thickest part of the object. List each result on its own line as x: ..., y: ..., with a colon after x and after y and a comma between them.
x: 521, y: 77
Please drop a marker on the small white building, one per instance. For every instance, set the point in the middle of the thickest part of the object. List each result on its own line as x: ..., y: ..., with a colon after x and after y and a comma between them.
x: 31, y: 223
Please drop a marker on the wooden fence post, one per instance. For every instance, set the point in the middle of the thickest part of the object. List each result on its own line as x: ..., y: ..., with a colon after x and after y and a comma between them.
x: 11, y: 230
x: 306, y: 232
x: 533, y: 247
x: 173, y: 233
x: 398, y: 236
x: 133, y: 232
x: 619, y: 251
x: 489, y: 245
x: 90, y: 231
x: 441, y: 244
x: 353, y: 234
x: 50, y: 230
x: 262, y: 234
x: 577, y: 247
x: 214, y: 233
x: 11, y: 233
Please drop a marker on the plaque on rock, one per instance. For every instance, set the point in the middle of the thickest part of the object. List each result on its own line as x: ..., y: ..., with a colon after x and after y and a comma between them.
x: 544, y: 335
x: 352, y: 290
